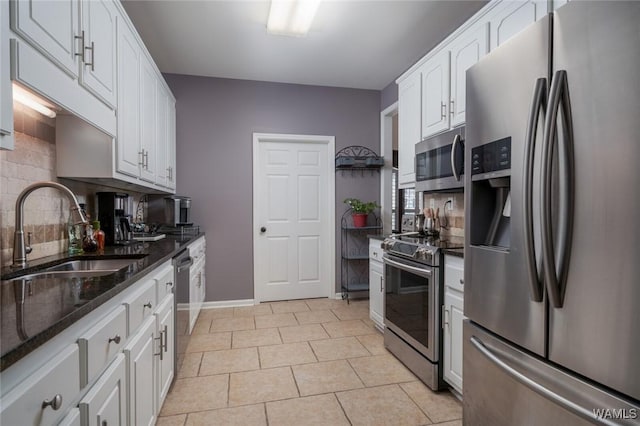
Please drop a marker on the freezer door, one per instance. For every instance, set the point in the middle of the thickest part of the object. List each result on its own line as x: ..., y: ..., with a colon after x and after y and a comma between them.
x: 595, y: 330
x: 504, y: 386
x: 500, y: 293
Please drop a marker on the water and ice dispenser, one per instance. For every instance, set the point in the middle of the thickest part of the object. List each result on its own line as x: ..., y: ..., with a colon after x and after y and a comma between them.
x: 491, y: 194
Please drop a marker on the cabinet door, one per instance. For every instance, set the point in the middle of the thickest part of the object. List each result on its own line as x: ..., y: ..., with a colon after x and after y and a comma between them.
x: 128, y: 143
x: 435, y: 94
x: 376, y: 293
x: 165, y: 314
x: 141, y: 376
x: 6, y: 99
x: 171, y: 143
x: 452, y: 323
x: 161, y: 151
x: 513, y: 18
x: 409, y: 104
x: 51, y: 27
x: 98, y: 74
x: 472, y: 45
x: 148, y: 105
x: 106, y: 402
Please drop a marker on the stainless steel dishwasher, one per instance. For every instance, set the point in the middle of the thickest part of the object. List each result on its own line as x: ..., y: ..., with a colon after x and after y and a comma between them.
x: 182, y: 264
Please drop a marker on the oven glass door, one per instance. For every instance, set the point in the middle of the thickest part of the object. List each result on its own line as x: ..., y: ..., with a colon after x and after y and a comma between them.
x: 411, y: 303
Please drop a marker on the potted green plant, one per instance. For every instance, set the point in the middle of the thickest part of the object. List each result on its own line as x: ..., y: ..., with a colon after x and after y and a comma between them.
x: 360, y: 210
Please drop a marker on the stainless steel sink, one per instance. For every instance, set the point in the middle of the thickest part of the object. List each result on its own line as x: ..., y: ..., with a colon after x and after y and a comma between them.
x: 81, y: 269
x: 63, y: 275
x: 111, y: 265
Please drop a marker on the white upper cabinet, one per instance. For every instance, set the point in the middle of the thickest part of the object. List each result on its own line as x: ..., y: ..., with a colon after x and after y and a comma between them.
x: 6, y: 98
x: 513, y: 18
x: 148, y: 130
x: 466, y: 50
x: 408, y: 128
x: 435, y: 94
x: 98, y: 74
x: 52, y: 27
x: 128, y: 155
x: 171, y: 143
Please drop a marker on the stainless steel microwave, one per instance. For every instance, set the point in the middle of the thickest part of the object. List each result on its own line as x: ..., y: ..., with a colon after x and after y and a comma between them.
x: 440, y: 162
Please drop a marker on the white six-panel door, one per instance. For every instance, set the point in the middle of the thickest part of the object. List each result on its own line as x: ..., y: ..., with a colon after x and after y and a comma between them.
x: 294, y: 216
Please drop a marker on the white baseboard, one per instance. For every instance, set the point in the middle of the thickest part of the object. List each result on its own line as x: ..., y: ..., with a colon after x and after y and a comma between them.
x: 338, y: 296
x: 228, y: 304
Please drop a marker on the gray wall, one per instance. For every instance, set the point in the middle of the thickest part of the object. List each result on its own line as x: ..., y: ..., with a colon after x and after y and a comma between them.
x: 216, y: 119
x: 389, y: 95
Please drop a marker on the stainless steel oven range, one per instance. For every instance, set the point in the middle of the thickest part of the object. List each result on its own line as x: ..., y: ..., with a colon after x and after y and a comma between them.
x: 413, y: 303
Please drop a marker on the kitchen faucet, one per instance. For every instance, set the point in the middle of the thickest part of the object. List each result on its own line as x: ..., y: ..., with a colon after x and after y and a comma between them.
x: 20, y: 250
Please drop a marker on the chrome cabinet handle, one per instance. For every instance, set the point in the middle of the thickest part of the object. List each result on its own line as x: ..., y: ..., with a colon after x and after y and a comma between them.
x: 554, y: 276
x: 451, y: 107
x: 55, y: 402
x: 147, y: 305
x: 81, y: 38
x: 538, y: 103
x: 443, y: 110
x: 160, y: 353
x: 169, y: 284
x: 92, y: 49
x: 165, y: 333
x: 141, y: 154
x: 115, y: 339
x: 461, y: 281
x: 454, y: 146
x: 145, y: 159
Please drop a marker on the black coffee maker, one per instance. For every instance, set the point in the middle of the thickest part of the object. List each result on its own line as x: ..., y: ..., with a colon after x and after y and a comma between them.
x: 114, y: 214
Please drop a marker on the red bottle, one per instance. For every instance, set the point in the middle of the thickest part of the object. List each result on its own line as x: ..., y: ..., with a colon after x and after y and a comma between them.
x: 98, y: 234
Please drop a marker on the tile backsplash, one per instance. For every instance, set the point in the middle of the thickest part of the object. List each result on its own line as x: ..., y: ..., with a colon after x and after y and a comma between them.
x: 454, y: 218
x: 46, y: 210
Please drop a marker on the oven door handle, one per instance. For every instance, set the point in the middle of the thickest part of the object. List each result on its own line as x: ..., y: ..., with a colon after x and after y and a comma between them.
x: 404, y: 267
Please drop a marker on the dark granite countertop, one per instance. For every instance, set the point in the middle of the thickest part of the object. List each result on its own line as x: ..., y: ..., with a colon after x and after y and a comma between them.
x: 377, y: 237
x: 454, y: 252
x: 47, y: 306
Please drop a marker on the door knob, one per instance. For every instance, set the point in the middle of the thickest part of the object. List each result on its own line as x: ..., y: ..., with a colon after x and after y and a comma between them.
x: 263, y: 229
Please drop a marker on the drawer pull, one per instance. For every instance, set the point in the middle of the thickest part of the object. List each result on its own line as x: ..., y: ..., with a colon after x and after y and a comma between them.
x: 115, y: 339
x: 55, y: 402
x: 461, y: 281
x: 169, y: 284
x: 147, y: 305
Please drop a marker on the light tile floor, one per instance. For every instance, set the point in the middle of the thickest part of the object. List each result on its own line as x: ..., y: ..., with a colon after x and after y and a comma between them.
x: 304, y: 362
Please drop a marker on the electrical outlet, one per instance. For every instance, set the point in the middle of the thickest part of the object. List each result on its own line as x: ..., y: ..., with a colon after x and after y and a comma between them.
x: 432, y: 203
x: 450, y: 203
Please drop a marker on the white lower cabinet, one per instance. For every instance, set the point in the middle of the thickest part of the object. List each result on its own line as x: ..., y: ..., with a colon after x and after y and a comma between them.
x: 118, y: 362
x: 376, y: 284
x: 453, y: 315
x: 165, y: 355
x: 140, y: 353
x: 106, y: 403
x: 197, y: 283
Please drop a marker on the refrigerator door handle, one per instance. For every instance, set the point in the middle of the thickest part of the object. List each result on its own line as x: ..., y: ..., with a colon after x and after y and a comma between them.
x: 454, y: 146
x: 537, y: 104
x: 555, y: 276
x: 535, y: 386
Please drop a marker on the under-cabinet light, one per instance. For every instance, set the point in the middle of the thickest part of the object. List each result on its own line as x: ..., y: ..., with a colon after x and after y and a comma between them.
x: 32, y: 101
x: 291, y: 17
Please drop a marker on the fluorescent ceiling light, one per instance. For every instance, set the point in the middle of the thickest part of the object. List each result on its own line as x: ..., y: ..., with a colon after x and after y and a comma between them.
x: 32, y: 101
x: 291, y: 17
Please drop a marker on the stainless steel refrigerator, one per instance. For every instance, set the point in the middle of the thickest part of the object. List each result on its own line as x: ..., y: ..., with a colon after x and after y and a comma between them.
x: 552, y: 240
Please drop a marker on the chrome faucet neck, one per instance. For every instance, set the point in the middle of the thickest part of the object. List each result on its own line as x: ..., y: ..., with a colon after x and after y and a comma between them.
x: 19, y: 248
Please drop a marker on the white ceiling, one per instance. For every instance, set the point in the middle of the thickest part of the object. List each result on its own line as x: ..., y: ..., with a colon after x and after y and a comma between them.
x: 362, y: 44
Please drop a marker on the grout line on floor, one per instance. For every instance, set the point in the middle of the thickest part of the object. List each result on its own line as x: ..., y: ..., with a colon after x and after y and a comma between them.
x: 414, y: 401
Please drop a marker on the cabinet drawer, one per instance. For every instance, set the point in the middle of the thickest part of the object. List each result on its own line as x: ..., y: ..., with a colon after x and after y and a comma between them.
x: 141, y: 304
x: 454, y: 273
x: 101, y: 344
x: 164, y: 282
x: 375, y: 251
x: 197, y: 250
x: 58, y: 380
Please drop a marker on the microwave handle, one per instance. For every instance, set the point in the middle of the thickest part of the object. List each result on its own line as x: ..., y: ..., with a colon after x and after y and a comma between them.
x: 454, y: 146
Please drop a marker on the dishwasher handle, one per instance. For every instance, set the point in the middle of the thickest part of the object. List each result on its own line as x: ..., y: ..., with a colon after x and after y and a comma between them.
x: 184, y: 264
